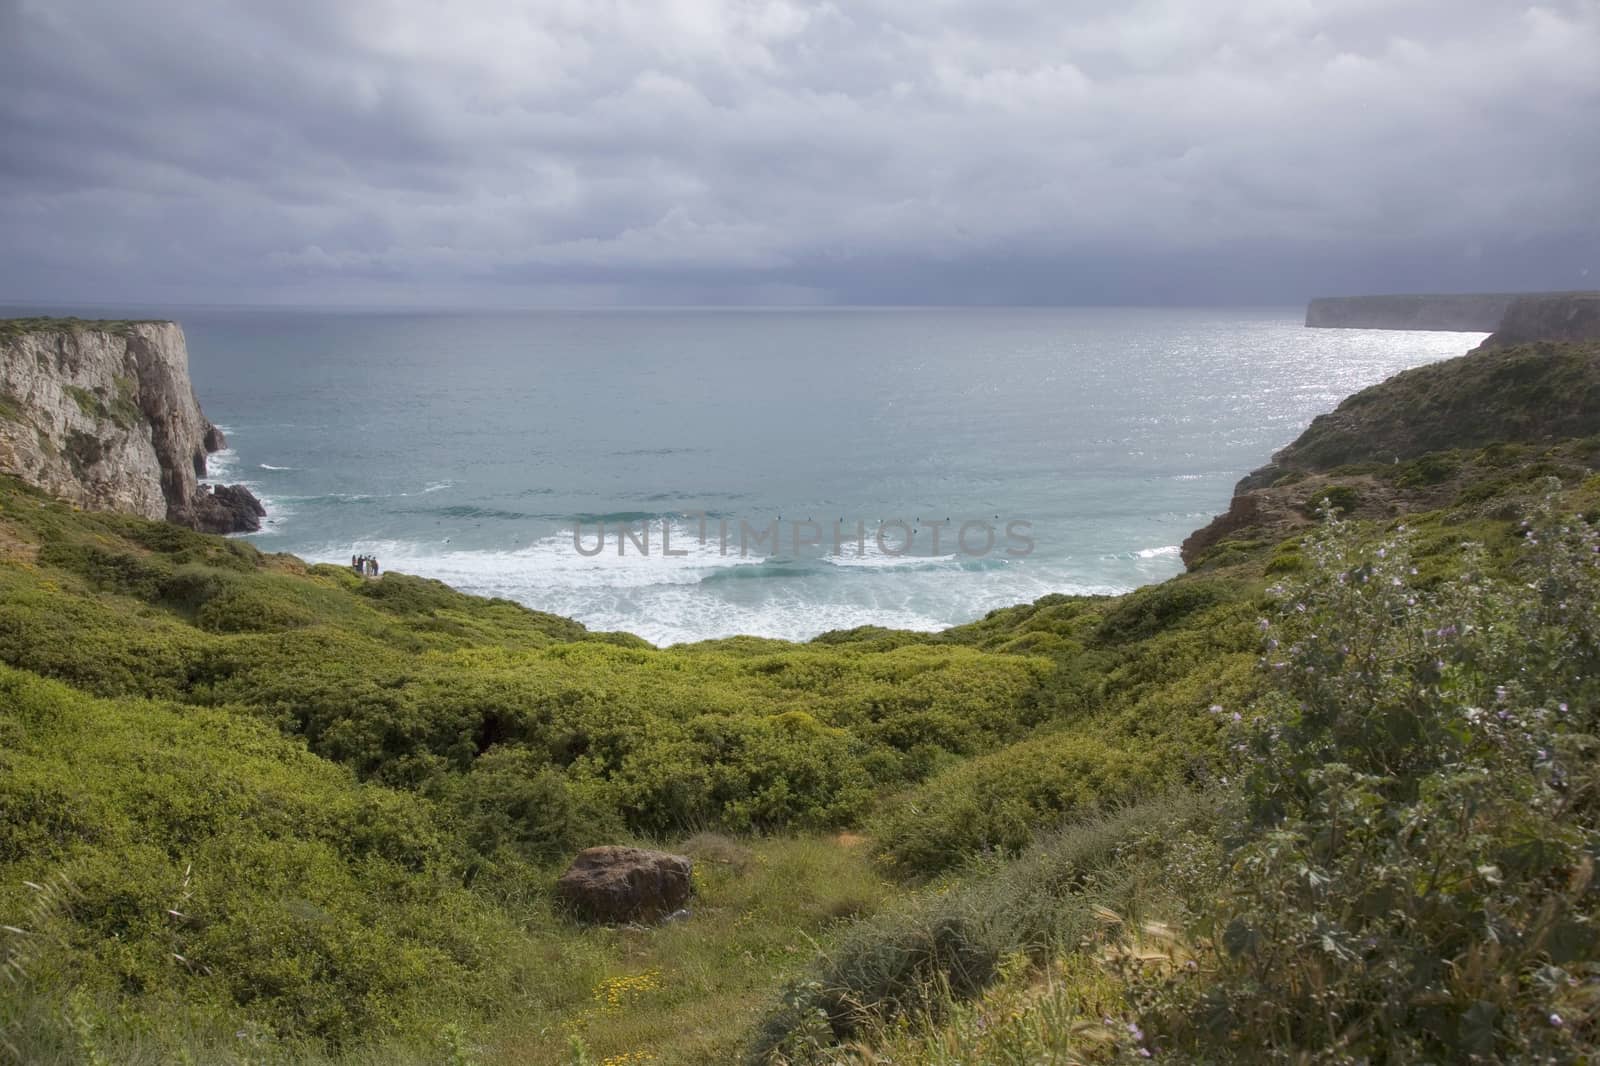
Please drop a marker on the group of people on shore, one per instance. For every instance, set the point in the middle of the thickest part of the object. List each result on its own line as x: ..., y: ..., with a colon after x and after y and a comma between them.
x: 365, y: 565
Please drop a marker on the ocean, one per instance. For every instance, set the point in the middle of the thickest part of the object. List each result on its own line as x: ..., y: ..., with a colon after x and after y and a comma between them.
x: 1046, y: 450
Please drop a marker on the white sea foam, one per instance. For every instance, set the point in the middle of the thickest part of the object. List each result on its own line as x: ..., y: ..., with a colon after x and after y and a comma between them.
x: 1168, y: 551
x: 879, y: 560
x: 219, y: 466
x: 553, y: 562
x: 269, y: 466
x: 676, y: 599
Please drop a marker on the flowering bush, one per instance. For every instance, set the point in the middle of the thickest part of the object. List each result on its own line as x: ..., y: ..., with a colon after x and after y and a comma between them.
x: 1413, y: 873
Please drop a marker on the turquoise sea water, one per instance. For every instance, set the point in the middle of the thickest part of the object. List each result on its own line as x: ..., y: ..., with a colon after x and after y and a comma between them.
x: 466, y: 446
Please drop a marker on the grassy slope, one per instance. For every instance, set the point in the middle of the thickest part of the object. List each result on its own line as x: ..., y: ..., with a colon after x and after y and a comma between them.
x: 355, y: 794
x: 352, y: 789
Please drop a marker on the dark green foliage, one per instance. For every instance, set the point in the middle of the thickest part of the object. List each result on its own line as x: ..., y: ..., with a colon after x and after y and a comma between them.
x: 212, y: 860
x: 109, y: 568
x: 1156, y: 607
x: 514, y: 801
x: 1340, y: 499
x: 1430, y: 469
x: 1416, y: 881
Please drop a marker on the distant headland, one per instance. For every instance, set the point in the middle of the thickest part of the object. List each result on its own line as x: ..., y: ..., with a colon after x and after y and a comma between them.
x: 1479, y: 312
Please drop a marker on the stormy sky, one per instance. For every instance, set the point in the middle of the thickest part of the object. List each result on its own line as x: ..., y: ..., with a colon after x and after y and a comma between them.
x: 380, y: 152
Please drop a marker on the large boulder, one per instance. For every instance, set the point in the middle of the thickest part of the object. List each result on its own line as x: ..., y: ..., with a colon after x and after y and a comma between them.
x: 617, y: 884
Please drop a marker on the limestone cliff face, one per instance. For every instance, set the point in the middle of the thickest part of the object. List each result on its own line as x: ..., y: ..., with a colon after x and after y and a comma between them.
x: 103, y: 415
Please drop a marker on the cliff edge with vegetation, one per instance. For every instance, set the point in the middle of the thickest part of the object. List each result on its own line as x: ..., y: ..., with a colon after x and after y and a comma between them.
x: 1418, y: 440
x: 103, y: 414
x: 1331, y: 796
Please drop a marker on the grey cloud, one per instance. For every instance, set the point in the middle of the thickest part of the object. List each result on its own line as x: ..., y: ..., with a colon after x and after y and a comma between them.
x: 883, y: 150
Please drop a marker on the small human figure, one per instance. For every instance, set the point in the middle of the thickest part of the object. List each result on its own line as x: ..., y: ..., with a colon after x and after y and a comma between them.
x: 374, y: 566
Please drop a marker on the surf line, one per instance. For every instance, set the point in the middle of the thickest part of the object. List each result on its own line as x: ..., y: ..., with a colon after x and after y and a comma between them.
x: 894, y: 537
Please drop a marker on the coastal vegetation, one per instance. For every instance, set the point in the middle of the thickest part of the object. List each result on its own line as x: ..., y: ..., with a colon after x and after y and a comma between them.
x: 1327, y: 797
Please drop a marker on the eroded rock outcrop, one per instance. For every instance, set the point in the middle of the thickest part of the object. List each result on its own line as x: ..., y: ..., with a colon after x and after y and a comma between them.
x: 225, y: 509
x: 618, y: 884
x: 103, y: 414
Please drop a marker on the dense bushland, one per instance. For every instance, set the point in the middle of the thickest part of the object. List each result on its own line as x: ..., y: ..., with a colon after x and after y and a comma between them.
x: 1421, y: 820
x: 1399, y: 866
x: 1330, y: 798
x: 264, y: 794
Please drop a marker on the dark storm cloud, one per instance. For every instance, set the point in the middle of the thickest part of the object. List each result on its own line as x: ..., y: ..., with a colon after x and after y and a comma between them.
x: 882, y: 150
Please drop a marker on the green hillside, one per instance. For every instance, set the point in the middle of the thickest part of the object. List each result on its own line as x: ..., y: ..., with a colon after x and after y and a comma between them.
x: 1331, y: 795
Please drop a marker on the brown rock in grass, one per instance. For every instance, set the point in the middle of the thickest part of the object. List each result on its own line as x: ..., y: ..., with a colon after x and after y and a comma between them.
x: 617, y: 884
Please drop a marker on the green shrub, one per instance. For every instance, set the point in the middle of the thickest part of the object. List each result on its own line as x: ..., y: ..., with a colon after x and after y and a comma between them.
x: 1340, y: 499
x: 1416, y: 878
x: 110, y: 569
x: 1286, y: 560
x: 88, y: 403
x: 513, y: 801
x: 1430, y: 469
x: 1146, y: 611
x: 240, y: 607
x: 213, y: 862
x: 998, y: 803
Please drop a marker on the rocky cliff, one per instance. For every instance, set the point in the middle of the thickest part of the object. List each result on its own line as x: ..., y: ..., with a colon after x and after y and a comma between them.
x: 103, y: 414
x: 1572, y: 316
